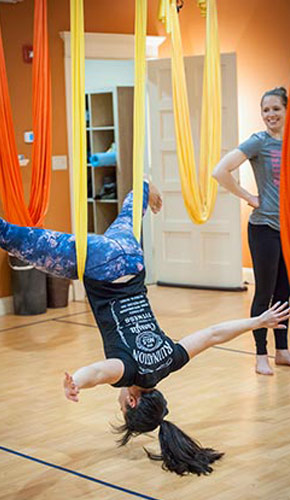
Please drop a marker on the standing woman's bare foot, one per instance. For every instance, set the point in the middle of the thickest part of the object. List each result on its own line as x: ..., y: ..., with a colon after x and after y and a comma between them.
x: 262, y: 365
x: 155, y: 198
x: 282, y: 357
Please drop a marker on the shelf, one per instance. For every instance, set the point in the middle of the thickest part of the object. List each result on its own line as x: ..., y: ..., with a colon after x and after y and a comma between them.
x: 102, y: 110
x: 103, y: 176
x: 106, y: 213
x: 106, y: 201
x: 88, y: 145
x: 102, y: 140
x: 102, y: 166
x: 91, y: 218
x: 97, y: 129
x: 109, y: 119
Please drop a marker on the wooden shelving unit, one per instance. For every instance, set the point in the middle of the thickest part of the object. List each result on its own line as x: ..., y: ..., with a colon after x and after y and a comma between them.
x: 109, y: 119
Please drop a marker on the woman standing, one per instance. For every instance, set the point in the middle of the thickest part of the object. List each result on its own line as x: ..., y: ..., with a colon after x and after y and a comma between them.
x: 263, y: 150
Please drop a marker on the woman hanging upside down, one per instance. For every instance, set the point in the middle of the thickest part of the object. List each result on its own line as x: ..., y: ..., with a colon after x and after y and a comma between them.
x: 138, y: 353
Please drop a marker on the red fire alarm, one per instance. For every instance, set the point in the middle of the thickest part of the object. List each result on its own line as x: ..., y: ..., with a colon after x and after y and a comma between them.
x: 27, y: 52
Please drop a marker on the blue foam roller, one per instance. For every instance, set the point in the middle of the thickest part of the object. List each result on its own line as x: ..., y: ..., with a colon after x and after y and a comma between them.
x: 103, y: 159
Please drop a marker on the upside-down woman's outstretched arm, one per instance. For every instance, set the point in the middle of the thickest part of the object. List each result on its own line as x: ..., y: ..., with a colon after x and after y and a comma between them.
x: 107, y: 371
x: 223, y: 332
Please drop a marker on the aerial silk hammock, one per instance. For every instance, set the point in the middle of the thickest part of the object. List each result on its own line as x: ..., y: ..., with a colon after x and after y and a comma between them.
x: 199, y: 194
x: 79, y: 132
x: 11, y: 188
x: 284, y: 193
x: 79, y: 136
x: 139, y: 113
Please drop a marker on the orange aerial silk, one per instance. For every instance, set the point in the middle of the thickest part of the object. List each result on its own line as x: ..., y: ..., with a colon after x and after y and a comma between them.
x: 285, y: 193
x: 41, y: 112
x: 11, y: 188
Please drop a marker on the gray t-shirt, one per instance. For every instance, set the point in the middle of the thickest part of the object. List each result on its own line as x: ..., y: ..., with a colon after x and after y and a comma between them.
x: 264, y: 153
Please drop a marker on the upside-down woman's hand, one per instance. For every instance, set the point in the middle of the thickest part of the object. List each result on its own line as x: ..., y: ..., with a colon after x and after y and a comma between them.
x: 71, y: 390
x: 273, y: 317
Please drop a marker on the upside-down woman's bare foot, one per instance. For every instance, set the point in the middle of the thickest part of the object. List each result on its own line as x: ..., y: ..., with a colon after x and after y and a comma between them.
x: 262, y: 365
x: 282, y: 357
x: 155, y: 198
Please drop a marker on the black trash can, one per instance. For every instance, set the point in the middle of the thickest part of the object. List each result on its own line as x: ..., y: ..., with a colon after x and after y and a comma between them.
x: 57, y: 291
x: 29, y: 288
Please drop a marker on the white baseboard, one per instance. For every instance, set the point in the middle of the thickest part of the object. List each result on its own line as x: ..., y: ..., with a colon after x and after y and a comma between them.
x: 78, y: 290
x: 71, y: 293
x: 6, y: 306
x: 248, y: 275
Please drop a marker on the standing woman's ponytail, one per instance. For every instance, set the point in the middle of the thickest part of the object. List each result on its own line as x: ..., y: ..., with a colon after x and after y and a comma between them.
x: 181, y: 454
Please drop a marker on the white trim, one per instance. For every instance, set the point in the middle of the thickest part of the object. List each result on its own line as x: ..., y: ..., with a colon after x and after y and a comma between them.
x: 6, y: 305
x: 78, y: 291
x: 248, y: 275
x: 112, y: 45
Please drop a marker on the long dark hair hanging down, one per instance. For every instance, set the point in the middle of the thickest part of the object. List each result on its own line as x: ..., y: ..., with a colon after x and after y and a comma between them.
x: 179, y: 452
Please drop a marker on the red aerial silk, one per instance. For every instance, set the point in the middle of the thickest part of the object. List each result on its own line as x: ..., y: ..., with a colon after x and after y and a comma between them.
x: 285, y: 193
x: 11, y: 188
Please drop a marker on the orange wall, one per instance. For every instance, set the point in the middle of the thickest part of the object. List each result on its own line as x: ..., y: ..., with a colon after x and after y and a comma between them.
x: 257, y: 30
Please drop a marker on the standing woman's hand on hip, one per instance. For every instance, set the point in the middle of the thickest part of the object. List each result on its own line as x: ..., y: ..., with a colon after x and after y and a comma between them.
x: 253, y: 201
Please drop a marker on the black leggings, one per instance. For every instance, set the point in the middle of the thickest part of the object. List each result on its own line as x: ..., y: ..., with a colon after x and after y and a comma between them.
x: 270, y: 278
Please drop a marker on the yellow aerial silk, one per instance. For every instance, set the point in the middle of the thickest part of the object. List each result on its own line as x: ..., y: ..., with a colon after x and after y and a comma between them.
x: 139, y: 113
x: 79, y: 132
x: 199, y: 197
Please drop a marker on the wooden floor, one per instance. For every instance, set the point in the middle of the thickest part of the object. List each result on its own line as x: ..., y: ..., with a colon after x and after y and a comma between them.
x: 218, y: 399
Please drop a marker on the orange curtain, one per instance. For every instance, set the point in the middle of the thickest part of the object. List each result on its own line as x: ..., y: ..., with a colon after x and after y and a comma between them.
x: 41, y: 112
x: 11, y: 188
x: 285, y: 192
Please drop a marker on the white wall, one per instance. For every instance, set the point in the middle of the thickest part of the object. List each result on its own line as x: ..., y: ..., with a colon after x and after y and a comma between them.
x: 100, y: 74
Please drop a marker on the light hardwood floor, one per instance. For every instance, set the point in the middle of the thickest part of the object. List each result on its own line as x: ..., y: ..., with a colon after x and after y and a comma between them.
x: 217, y: 398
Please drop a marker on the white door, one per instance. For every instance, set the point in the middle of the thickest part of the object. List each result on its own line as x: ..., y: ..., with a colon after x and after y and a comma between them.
x: 207, y: 255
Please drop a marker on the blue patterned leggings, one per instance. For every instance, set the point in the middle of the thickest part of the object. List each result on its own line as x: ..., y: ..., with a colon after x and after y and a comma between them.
x: 110, y: 256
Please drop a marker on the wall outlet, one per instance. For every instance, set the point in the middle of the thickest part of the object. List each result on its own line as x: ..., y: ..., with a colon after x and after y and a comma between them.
x: 59, y: 162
